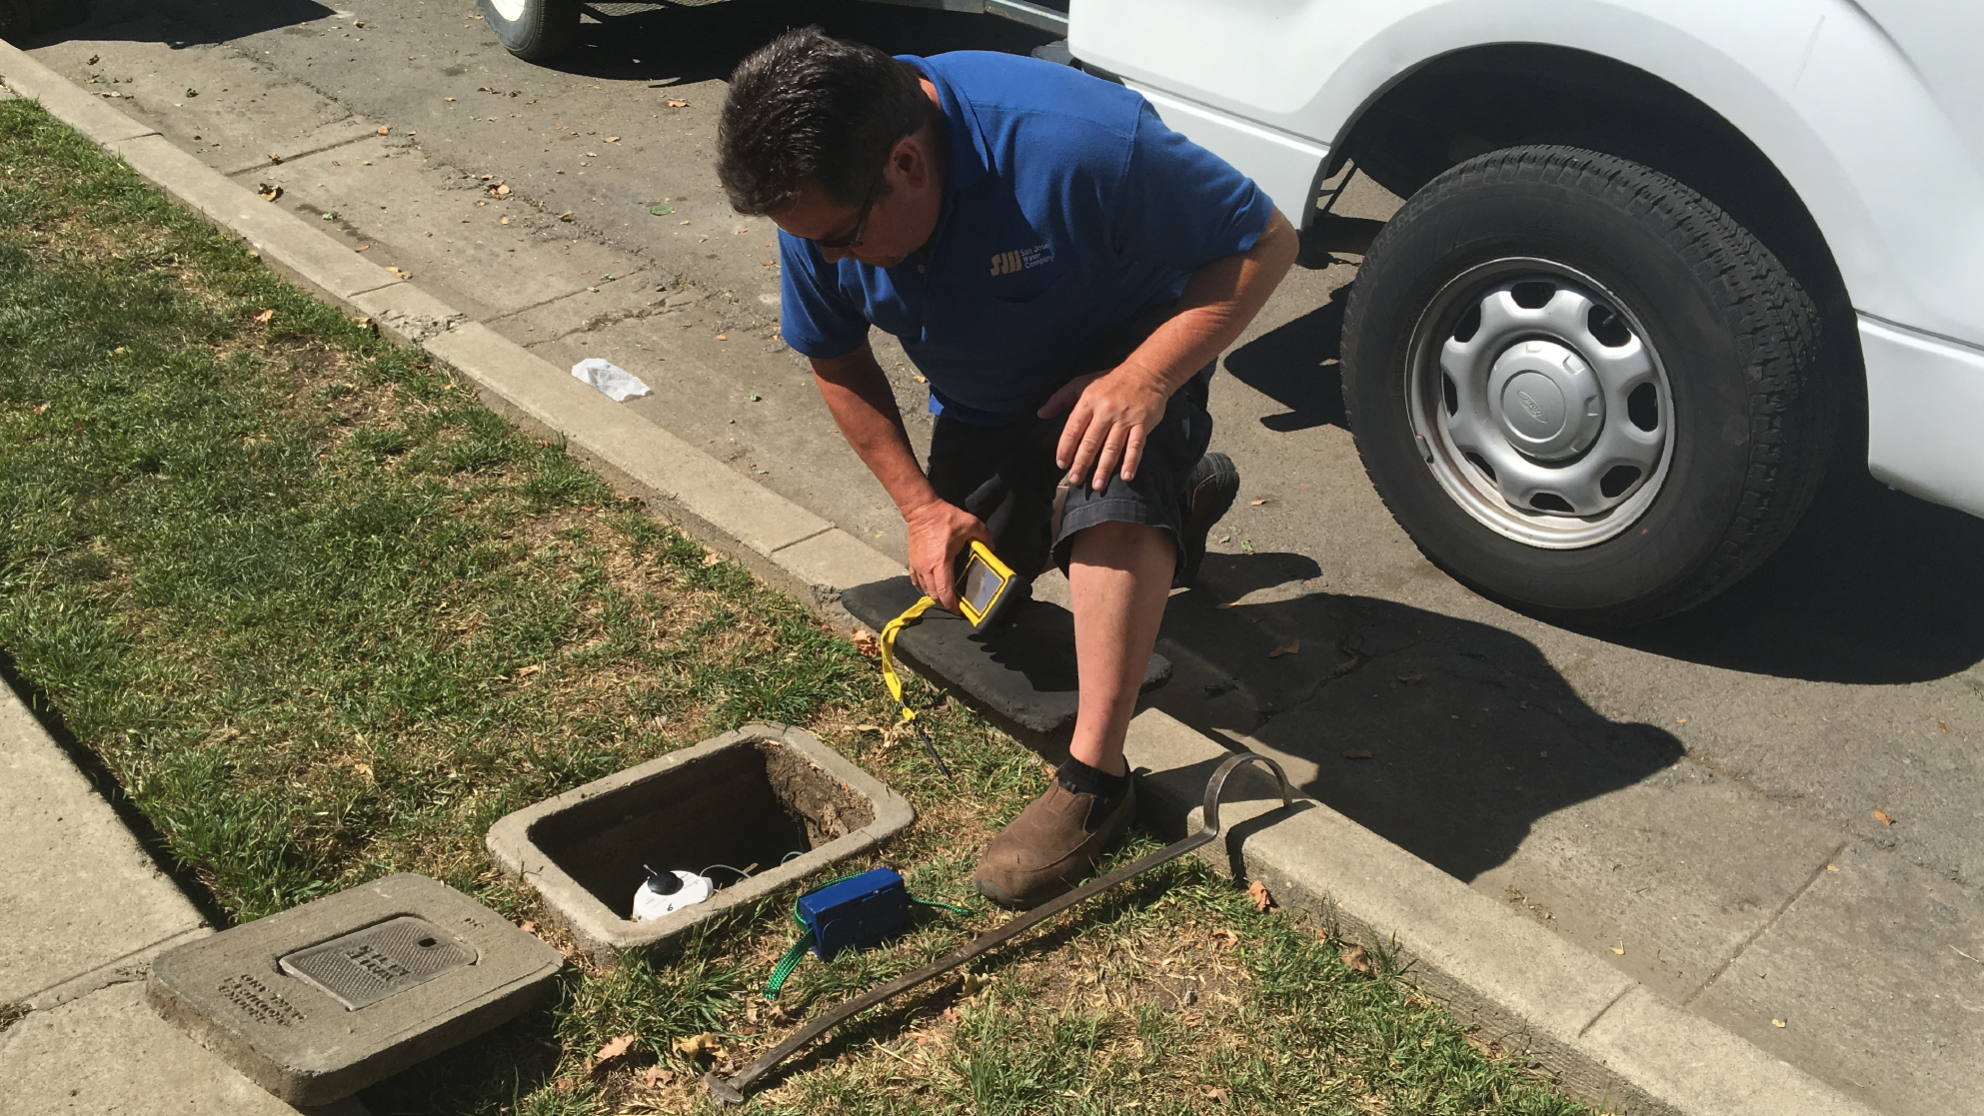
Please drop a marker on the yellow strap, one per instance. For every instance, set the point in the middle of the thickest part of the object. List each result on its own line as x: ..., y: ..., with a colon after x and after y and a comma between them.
x: 889, y: 674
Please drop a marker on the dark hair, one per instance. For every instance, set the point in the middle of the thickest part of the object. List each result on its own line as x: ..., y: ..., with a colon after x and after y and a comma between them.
x: 809, y: 108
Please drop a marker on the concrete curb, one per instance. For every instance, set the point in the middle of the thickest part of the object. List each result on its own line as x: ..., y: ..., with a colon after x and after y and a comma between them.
x: 1610, y: 1040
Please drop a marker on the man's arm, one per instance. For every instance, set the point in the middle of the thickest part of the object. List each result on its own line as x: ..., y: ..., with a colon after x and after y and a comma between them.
x: 864, y: 407
x: 1113, y: 412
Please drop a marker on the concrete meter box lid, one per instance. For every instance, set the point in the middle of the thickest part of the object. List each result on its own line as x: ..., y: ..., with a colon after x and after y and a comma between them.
x: 767, y: 799
x: 318, y: 1002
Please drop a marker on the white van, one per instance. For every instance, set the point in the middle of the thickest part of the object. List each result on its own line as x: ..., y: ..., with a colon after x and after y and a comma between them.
x: 1655, y: 256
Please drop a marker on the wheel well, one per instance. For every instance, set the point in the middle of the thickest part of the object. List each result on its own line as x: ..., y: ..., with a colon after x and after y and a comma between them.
x: 1477, y: 100
x: 1472, y: 101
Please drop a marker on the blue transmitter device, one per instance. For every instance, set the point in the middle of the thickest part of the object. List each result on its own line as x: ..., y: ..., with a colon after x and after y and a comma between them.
x: 856, y: 912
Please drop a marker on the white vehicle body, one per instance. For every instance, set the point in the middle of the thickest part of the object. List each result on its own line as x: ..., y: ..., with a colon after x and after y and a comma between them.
x: 1871, y: 111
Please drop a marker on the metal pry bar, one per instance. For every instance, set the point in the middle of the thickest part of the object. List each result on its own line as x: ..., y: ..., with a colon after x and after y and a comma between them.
x: 731, y: 1090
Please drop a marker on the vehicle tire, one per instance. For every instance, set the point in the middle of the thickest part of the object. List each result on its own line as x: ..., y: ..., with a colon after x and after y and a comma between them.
x: 533, y: 30
x: 1582, y: 388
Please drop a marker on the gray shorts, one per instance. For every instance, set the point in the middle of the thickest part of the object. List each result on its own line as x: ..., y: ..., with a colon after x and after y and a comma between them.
x: 1006, y: 476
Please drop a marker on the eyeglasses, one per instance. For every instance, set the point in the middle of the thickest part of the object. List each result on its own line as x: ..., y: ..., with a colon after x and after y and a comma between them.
x: 849, y: 243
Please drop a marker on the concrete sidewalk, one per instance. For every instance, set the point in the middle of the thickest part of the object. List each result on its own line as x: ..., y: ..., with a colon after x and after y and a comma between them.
x: 1667, y: 935
x: 83, y: 910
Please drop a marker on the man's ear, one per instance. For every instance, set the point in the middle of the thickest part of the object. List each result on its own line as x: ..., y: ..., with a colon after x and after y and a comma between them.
x: 910, y: 158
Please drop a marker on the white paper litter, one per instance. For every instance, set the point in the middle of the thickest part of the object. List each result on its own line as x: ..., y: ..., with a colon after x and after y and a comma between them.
x: 614, y: 382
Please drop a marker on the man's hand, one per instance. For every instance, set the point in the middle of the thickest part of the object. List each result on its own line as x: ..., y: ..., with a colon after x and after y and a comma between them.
x: 938, y: 530
x: 1110, y: 414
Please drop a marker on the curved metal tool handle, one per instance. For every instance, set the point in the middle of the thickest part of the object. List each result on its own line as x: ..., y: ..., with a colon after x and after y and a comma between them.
x: 731, y: 1090
x: 1216, y: 786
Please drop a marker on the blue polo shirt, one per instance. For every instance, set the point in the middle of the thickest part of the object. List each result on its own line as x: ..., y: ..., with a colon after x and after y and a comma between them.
x: 1070, y: 207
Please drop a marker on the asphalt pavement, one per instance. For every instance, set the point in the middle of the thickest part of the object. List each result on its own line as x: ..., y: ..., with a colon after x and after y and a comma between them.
x: 1693, y: 801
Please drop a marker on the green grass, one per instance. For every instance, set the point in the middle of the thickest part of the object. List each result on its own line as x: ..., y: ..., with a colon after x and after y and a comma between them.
x: 323, y: 617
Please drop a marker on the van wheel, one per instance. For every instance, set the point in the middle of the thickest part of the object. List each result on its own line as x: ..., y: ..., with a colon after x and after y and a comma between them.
x: 533, y: 30
x: 1582, y: 388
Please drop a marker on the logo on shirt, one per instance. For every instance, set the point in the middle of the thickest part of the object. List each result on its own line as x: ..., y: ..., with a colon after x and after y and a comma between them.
x: 1006, y: 263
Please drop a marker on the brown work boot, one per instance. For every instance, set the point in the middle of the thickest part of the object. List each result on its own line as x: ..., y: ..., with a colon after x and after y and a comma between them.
x: 1051, y: 846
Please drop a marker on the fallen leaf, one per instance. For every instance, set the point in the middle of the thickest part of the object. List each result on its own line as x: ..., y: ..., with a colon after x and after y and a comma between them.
x: 500, y: 191
x: 401, y: 274
x: 1358, y: 961
x: 270, y: 193
x: 973, y: 983
x: 868, y: 728
x: 525, y: 672
x: 611, y: 139
x: 698, y: 1047
x: 1881, y: 816
x: 92, y: 61
x: 447, y: 98
x: 41, y: 408
x: 362, y: 248
x: 1215, y: 1093
x: 1259, y: 502
x: 1620, y: 950
x: 274, y: 157
x: 119, y: 351
x: 711, y: 559
x: 1411, y: 679
x: 1258, y: 891
x: 921, y: 379
x: 868, y: 643
x: 363, y: 770
x: 1680, y: 720
x: 265, y: 316
x: 1356, y: 753
x: 192, y: 92
x: 657, y: 1076
x: 951, y: 1015
x: 675, y: 103
x: 565, y: 1084
x: 527, y: 926
x: 1832, y: 867
x: 504, y: 221
x: 1942, y: 725
x: 1778, y: 1023
x: 1290, y: 648
x: 661, y: 210
x: 565, y: 216
x: 384, y: 130
x: 615, y: 1048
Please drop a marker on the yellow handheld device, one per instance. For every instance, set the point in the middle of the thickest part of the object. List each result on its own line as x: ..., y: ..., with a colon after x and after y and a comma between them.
x: 985, y: 586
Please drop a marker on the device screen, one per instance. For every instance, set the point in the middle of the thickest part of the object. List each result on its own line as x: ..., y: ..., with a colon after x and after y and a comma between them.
x: 981, y: 584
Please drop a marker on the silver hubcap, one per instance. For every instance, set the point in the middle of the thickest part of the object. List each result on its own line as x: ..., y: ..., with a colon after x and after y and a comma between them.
x: 1538, y: 404
x: 512, y: 10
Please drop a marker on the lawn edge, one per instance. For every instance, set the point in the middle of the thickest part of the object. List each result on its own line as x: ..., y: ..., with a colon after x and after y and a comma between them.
x: 1608, y: 1039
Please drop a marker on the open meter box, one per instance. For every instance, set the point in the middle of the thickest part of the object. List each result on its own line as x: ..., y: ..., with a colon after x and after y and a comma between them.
x: 855, y: 913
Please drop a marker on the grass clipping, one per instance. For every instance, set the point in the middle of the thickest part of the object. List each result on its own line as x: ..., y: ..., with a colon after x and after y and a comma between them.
x: 323, y: 617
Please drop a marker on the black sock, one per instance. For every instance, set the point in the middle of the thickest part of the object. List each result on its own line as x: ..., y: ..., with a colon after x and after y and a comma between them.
x: 1077, y: 777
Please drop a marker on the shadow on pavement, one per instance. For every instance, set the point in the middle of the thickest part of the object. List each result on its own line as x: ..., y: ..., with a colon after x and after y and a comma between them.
x: 1874, y: 587
x: 1447, y: 737
x: 1296, y: 366
x: 221, y: 20
x: 683, y: 44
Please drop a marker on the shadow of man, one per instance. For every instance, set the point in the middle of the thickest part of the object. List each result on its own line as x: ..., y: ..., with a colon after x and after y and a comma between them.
x: 1447, y: 737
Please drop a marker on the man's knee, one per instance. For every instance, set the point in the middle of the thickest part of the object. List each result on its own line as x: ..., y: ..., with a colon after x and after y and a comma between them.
x: 1118, y: 543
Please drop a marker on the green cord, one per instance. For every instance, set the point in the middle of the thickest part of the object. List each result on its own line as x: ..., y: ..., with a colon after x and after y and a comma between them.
x: 783, y: 970
x: 785, y: 966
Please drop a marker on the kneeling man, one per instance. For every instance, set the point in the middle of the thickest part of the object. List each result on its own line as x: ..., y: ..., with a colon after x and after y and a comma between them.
x: 1064, y: 270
